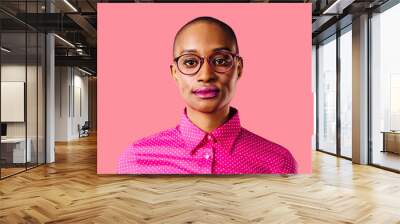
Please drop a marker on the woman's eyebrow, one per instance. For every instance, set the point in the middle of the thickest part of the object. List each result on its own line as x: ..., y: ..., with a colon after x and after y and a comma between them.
x: 189, y: 51
x: 222, y: 49
x: 214, y: 50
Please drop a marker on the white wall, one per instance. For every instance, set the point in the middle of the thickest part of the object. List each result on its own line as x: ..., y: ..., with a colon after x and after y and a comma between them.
x: 71, y: 87
x: 79, y: 117
x: 62, y: 80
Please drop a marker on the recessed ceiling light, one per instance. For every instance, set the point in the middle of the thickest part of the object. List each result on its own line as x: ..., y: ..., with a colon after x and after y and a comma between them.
x: 5, y: 50
x: 338, y: 6
x: 64, y: 40
x: 84, y: 71
x: 70, y: 5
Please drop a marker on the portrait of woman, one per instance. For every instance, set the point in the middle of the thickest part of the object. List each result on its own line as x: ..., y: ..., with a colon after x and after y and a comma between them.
x: 209, y: 138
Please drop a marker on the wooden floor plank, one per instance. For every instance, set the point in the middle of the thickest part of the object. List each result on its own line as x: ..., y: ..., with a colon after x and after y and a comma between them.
x: 70, y: 191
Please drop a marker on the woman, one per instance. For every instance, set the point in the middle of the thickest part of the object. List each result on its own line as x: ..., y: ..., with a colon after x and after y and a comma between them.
x: 209, y: 138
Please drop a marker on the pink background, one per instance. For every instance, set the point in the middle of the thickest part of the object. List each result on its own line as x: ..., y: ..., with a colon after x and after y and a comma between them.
x: 138, y: 97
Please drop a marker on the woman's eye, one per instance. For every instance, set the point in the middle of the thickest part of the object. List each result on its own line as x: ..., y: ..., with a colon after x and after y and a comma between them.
x: 190, y: 62
x: 220, y: 61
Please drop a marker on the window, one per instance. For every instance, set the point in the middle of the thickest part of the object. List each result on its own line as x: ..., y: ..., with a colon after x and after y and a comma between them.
x: 327, y: 95
x: 385, y: 88
x: 346, y: 74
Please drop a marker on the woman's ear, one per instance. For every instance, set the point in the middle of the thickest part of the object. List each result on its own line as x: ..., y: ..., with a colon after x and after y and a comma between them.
x: 240, y: 68
x: 173, y: 72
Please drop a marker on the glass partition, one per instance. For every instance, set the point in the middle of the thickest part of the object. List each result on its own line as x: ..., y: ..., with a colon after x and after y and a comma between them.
x: 22, y: 77
x: 13, y: 108
x: 327, y: 95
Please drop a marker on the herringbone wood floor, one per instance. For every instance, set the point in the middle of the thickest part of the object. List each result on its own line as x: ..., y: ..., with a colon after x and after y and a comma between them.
x: 70, y: 191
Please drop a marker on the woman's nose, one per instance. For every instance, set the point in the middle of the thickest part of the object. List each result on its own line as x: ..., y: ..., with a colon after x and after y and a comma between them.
x: 206, y: 73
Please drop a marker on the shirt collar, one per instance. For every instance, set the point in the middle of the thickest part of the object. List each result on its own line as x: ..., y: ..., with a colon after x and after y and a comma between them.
x: 225, y: 135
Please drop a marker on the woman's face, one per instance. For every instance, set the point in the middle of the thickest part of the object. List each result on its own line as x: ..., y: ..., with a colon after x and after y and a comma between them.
x: 206, y: 91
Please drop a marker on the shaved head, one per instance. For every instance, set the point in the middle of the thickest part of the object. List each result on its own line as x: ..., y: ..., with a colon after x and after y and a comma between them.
x: 208, y: 20
x: 207, y: 44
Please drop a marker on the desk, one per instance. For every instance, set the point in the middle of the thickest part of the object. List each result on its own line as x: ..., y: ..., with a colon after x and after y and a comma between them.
x: 16, y: 147
x: 391, y: 141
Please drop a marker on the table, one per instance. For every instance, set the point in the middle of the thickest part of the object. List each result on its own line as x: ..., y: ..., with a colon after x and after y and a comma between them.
x: 16, y: 147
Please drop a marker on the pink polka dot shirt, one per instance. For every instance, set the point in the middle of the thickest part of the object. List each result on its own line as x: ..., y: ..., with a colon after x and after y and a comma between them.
x: 186, y: 149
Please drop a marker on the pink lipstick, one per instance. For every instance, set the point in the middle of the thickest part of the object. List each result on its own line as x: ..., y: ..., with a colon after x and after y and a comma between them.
x: 206, y: 92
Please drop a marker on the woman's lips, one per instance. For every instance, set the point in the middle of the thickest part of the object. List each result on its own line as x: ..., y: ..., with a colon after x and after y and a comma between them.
x: 206, y: 92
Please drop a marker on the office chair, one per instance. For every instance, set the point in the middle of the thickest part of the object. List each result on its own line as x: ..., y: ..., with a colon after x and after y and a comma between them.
x: 84, y: 130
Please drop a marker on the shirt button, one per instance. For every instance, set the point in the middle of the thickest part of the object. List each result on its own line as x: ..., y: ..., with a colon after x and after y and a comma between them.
x: 211, y: 138
x: 207, y: 156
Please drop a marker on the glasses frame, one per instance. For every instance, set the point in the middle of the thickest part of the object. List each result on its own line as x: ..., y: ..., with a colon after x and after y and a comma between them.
x: 202, y: 59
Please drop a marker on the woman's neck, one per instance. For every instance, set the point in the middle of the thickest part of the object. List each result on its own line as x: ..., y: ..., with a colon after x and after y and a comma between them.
x: 208, y: 121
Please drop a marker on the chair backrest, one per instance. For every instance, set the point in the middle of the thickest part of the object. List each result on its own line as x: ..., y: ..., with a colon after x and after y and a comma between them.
x: 86, y: 125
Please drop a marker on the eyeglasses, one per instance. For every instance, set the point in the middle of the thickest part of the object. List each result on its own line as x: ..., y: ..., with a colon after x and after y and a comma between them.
x: 220, y: 62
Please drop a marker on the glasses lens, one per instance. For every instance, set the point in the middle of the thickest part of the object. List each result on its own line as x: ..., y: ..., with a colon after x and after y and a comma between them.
x: 189, y: 64
x: 222, y: 62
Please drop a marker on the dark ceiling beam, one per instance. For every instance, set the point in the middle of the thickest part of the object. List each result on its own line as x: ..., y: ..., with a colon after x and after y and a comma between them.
x: 86, y: 26
x: 85, y: 61
x: 321, y: 22
x: 331, y: 28
x: 49, y: 22
x: 86, y: 51
x: 16, y: 18
x: 52, y: 22
x: 91, y: 5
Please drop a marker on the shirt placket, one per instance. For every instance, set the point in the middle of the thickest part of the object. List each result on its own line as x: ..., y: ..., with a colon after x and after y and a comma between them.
x: 208, y: 155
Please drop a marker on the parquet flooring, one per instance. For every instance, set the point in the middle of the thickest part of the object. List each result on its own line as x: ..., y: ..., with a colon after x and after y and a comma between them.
x: 10, y: 171
x: 70, y: 191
